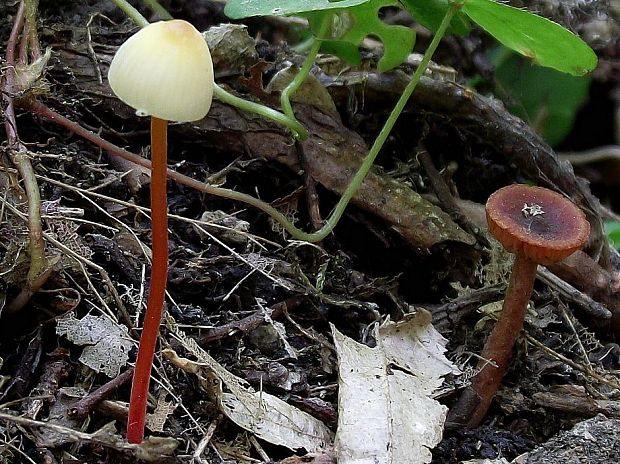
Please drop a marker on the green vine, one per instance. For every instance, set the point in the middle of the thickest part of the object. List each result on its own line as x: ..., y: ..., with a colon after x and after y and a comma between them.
x: 300, y: 77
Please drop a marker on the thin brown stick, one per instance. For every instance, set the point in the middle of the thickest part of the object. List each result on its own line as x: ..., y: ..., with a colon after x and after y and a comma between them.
x: 248, y: 323
x: 28, y: 291
x: 312, y: 197
x: 114, y: 150
x: 156, y: 449
x: 447, y: 200
x: 82, y: 408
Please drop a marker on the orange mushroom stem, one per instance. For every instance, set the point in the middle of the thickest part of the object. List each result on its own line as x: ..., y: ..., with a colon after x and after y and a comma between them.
x: 540, y: 227
x: 159, y: 277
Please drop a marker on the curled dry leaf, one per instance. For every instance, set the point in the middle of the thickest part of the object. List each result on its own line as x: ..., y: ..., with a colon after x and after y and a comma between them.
x: 265, y: 415
x: 152, y: 449
x: 59, y: 415
x: 231, y: 47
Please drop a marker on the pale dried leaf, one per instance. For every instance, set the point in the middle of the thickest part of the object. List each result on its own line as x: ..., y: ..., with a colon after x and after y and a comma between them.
x: 226, y: 227
x: 231, y: 46
x: 274, y: 330
x: 155, y: 422
x: 268, y: 417
x: 275, y: 421
x: 326, y: 458
x: 414, y: 345
x: 15, y: 263
x: 152, y: 449
x: 386, y: 411
x: 311, y: 92
x: 107, y: 344
x: 238, y: 451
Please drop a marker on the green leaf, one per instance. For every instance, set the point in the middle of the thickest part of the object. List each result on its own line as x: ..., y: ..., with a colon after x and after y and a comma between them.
x: 345, y: 50
x: 354, y: 24
x: 612, y: 229
x: 545, y: 98
x: 540, y: 39
x: 237, y: 9
x: 429, y: 13
x: 352, y: 21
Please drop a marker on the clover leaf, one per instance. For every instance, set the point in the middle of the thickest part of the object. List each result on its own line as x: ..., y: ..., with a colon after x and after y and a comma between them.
x: 354, y: 24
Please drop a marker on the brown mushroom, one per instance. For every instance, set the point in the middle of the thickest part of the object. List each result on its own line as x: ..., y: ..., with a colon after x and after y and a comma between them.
x: 540, y: 227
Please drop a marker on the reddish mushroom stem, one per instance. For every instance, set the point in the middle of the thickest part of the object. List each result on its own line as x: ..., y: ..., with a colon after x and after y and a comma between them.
x: 497, y: 351
x: 157, y: 288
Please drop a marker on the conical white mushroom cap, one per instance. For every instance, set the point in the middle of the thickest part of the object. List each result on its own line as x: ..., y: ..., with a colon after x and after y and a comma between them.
x: 164, y: 70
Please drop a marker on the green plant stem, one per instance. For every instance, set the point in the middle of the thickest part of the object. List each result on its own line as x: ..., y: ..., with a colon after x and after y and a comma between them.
x: 157, y: 286
x: 31, y: 41
x: 268, y: 113
x: 38, y: 262
x: 303, y: 46
x: 158, y: 9
x: 359, y: 177
x: 18, y: 152
x: 24, y: 23
x: 131, y: 12
x: 302, y: 74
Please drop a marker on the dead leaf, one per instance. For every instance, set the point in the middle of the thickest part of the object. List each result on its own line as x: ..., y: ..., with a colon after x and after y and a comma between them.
x: 310, y: 459
x: 59, y: 415
x: 155, y: 422
x: 107, y: 343
x: 265, y: 415
x: 231, y: 47
x: 152, y: 449
x: 311, y: 92
x: 386, y: 410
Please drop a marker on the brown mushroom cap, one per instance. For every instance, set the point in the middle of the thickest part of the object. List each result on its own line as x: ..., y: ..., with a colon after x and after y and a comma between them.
x: 543, y: 225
